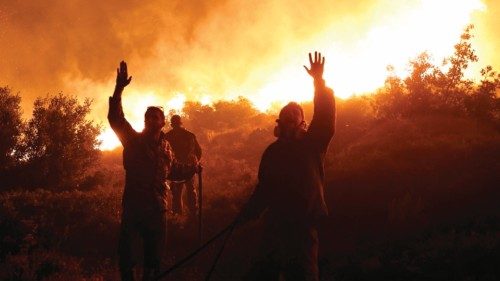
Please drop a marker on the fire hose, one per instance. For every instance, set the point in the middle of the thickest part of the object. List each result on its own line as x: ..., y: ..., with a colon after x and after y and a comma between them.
x: 229, y: 229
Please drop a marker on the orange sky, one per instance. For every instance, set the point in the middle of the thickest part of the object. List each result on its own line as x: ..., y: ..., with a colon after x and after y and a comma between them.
x: 207, y: 50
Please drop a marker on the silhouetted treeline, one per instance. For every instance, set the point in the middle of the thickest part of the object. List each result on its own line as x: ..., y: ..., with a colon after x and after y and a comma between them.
x: 56, y: 148
x: 412, y: 183
x: 442, y: 89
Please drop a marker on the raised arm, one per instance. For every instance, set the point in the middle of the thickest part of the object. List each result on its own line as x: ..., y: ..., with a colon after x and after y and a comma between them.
x: 322, y: 126
x: 116, y: 117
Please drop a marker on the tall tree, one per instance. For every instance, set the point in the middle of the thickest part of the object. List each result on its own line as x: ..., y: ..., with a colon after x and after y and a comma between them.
x: 11, y: 125
x: 453, y: 86
x: 60, y: 143
x: 418, y: 84
x: 484, y: 103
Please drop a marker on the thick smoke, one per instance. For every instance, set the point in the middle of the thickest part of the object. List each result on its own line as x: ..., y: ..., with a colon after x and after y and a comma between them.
x: 174, y: 46
x: 220, y: 49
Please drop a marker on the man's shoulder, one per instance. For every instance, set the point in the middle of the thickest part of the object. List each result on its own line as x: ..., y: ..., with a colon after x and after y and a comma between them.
x: 273, y: 144
x: 282, y: 147
x: 271, y: 153
x: 187, y: 132
x: 173, y: 132
x: 168, y: 135
x: 181, y: 132
x: 272, y: 147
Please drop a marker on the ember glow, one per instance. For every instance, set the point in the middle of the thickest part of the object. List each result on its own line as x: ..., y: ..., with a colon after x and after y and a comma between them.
x: 360, y: 66
x: 353, y: 67
x: 204, y: 51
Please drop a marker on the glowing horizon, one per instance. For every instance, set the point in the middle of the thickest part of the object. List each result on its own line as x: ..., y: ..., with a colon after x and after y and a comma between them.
x: 351, y: 68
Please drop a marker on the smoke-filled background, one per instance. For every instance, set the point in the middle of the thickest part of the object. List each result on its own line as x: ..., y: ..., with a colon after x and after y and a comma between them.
x: 209, y: 50
x: 411, y: 174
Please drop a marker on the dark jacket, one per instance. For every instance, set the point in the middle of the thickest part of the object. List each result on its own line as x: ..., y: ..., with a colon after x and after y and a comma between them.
x: 291, y: 173
x: 146, y: 164
x: 184, y: 145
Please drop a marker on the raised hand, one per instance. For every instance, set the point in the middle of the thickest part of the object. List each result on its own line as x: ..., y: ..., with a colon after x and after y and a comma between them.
x: 317, y: 66
x: 122, y: 79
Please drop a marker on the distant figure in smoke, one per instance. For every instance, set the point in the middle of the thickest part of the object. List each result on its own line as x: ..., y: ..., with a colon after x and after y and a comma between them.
x: 187, y: 151
x: 148, y: 161
x: 290, y: 187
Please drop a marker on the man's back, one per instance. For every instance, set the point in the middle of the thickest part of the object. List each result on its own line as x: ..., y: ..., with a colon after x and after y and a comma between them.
x: 291, y: 180
x: 292, y: 174
x: 184, y: 145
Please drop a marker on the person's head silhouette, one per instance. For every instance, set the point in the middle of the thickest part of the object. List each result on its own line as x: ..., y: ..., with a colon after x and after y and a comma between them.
x: 291, y: 121
x: 154, y: 119
x: 175, y: 121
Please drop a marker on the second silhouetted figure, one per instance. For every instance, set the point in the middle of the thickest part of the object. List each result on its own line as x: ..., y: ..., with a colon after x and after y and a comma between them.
x: 291, y: 180
x: 187, y: 151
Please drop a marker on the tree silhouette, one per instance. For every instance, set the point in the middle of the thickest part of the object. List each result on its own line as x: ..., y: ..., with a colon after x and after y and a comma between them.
x: 444, y: 89
x: 484, y: 103
x: 453, y: 86
x: 60, y: 144
x: 11, y: 126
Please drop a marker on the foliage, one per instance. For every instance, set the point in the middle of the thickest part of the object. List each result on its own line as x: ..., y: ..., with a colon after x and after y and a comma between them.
x: 419, y: 178
x: 11, y: 126
x: 485, y: 103
x: 444, y: 89
x: 411, y: 185
x: 60, y: 144
x: 47, y: 234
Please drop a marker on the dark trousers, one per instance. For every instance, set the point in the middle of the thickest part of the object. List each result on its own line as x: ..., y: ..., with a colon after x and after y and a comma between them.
x: 288, y: 249
x: 152, y: 229
x: 177, y: 190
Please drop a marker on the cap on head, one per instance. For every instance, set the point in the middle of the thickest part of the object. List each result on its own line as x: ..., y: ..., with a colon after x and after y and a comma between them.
x: 175, y: 120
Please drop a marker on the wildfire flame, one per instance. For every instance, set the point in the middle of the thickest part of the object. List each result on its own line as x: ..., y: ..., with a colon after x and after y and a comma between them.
x: 352, y: 66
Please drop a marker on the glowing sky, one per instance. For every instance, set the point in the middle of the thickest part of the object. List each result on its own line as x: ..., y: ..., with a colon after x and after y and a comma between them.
x: 208, y: 50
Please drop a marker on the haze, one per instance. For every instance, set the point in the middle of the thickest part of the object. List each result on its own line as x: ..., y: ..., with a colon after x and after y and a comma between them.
x: 210, y: 50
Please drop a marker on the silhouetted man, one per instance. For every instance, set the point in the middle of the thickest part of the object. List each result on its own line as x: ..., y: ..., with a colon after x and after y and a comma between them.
x: 187, y: 151
x: 148, y: 160
x: 290, y: 187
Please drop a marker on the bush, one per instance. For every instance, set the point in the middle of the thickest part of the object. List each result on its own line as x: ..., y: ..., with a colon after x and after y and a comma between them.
x: 11, y: 126
x: 60, y: 144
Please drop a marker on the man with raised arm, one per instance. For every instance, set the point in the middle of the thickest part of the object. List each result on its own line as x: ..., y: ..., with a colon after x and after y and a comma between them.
x: 290, y: 187
x: 148, y: 161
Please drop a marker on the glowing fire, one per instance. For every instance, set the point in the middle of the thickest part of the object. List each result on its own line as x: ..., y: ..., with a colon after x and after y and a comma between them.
x: 108, y: 140
x: 134, y: 107
x: 351, y: 67
x: 432, y: 26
